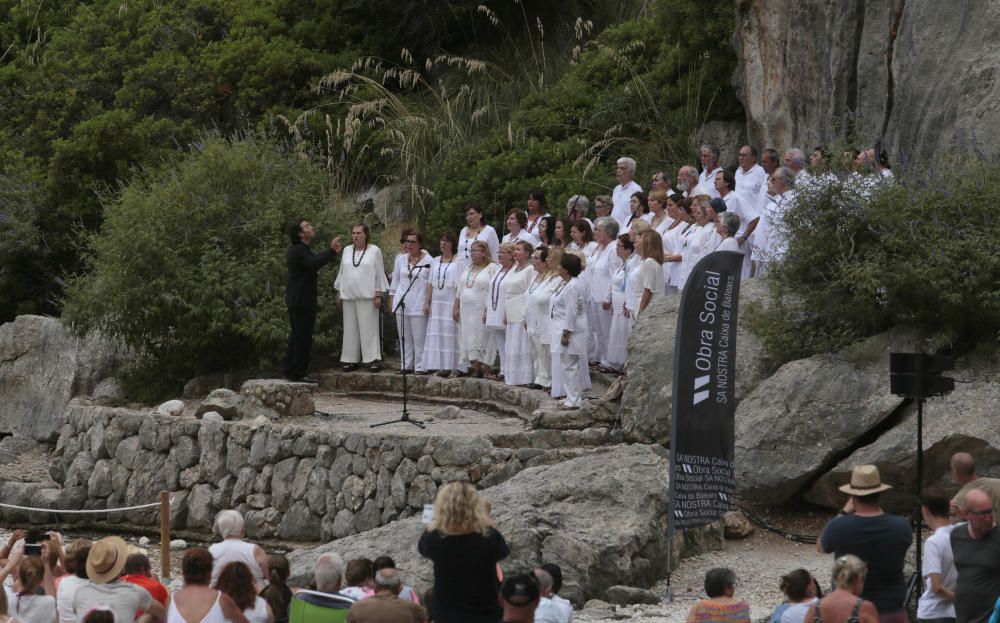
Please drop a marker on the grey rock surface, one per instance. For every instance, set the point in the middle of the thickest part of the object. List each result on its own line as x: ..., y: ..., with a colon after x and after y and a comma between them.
x: 627, y: 595
x: 808, y: 72
x: 41, y: 368
x: 13, y: 447
x: 225, y: 402
x: 171, y: 407
x: 558, y: 513
x: 648, y: 397
x: 802, y: 420
x: 964, y: 421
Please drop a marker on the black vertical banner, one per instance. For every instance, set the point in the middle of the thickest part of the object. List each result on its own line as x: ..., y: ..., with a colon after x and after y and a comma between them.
x: 702, y: 427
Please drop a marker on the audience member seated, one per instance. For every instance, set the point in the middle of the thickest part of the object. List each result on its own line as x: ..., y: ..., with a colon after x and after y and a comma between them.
x: 360, y: 579
x: 844, y: 601
x: 802, y: 591
x: 138, y: 572
x: 328, y: 576
x: 386, y: 606
x: 236, y: 581
x: 519, y: 597
x: 233, y: 548
x: 406, y: 592
x: 721, y: 606
x: 105, y: 565
x: 197, y: 601
x: 26, y: 605
x: 76, y: 565
x: 277, y: 593
x: 547, y: 611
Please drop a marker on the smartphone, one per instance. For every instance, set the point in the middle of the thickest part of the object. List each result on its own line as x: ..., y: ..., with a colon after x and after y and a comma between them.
x: 32, y: 549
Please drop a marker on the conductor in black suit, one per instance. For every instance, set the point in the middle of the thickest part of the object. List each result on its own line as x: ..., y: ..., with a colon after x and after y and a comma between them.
x: 300, y: 295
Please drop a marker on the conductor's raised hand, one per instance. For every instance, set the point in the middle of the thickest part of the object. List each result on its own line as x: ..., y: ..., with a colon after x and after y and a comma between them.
x: 335, y: 245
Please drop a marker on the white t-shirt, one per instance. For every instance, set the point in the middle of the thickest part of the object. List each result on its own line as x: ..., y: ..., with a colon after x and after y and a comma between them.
x: 748, y: 183
x: 743, y: 209
x: 565, y: 606
x: 64, y: 597
x: 123, y: 598
x: 621, y: 197
x: 532, y: 239
x: 31, y: 608
x: 548, y: 612
x: 706, y: 179
x: 796, y: 613
x: 938, y: 558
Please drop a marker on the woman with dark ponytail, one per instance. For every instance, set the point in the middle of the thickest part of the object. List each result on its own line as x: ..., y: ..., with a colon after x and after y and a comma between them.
x: 277, y: 594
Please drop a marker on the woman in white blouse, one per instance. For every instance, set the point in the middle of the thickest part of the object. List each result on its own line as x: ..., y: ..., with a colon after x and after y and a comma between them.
x: 602, y: 263
x: 476, y: 229
x: 672, y: 237
x: 537, y: 301
x: 568, y: 330
x: 496, y: 307
x: 441, y: 345
x: 517, y: 220
x: 517, y: 345
x: 649, y: 275
x: 726, y: 226
x: 621, y: 323
x: 582, y: 237
x: 410, y: 277
x: 474, y: 343
x: 693, y: 246
x: 360, y: 284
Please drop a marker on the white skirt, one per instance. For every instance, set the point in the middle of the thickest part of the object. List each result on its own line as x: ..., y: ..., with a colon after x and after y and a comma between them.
x: 621, y: 330
x: 474, y: 342
x: 519, y: 365
x: 441, y: 345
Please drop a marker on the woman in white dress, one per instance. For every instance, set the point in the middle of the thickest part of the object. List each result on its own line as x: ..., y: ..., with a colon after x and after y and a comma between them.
x: 537, y: 301
x: 602, y: 263
x: 649, y: 276
x: 496, y: 307
x: 621, y: 323
x: 410, y: 276
x: 476, y: 229
x: 441, y: 345
x: 693, y: 245
x: 474, y: 343
x: 360, y: 284
x: 568, y: 330
x: 672, y: 237
x: 517, y: 345
x: 727, y: 226
x: 517, y: 220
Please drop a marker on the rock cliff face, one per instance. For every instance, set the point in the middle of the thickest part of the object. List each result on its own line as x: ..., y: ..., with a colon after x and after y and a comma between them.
x: 921, y: 79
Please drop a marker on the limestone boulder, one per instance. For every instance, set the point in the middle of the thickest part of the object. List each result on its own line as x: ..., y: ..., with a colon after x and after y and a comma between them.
x: 41, y: 368
x: 602, y: 517
x: 964, y: 421
x: 225, y: 402
x: 803, y: 419
x: 647, y: 400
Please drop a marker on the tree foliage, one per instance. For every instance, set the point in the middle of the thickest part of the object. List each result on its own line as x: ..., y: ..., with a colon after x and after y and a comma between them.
x: 189, y: 266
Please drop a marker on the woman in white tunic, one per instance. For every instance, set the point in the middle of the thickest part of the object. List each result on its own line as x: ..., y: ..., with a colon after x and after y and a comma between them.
x: 474, y: 343
x: 360, y: 284
x: 568, y: 330
x: 537, y: 301
x: 602, y: 263
x: 649, y: 277
x: 517, y: 345
x: 496, y: 307
x: 672, y: 237
x: 582, y: 238
x: 476, y: 229
x: 441, y: 345
x: 517, y: 220
x: 621, y: 323
x: 410, y: 276
x: 693, y: 245
x: 727, y: 226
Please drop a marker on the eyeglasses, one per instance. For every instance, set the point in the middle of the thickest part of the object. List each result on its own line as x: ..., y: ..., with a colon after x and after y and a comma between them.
x: 982, y: 513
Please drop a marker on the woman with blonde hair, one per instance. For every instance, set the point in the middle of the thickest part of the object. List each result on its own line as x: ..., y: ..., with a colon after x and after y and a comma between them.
x: 474, y: 343
x: 465, y: 548
x: 649, y: 278
x: 843, y: 603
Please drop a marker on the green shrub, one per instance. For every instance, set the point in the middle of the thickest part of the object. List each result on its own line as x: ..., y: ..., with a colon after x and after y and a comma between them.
x: 189, y: 266
x: 922, y: 252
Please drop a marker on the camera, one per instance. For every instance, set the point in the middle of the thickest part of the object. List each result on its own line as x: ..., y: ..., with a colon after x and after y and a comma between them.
x: 33, y: 542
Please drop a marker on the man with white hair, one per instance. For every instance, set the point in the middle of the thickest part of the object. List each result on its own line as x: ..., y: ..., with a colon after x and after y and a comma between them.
x: 771, y: 238
x: 750, y: 176
x: 621, y: 197
x: 749, y: 217
x: 329, y: 577
x: 770, y: 163
x: 687, y: 179
x: 233, y: 548
x: 709, y: 169
x: 795, y: 159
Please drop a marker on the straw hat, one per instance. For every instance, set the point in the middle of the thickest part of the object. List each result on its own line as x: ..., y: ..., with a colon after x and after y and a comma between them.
x: 107, y: 559
x: 865, y: 480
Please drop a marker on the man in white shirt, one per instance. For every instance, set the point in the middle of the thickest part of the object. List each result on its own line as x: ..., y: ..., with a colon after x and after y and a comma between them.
x: 557, y: 581
x: 772, y: 238
x: 621, y: 197
x: 795, y: 159
x: 749, y: 217
x: 750, y: 176
x: 548, y: 611
x: 870, y: 172
x: 769, y: 163
x: 938, y: 567
x: 687, y: 179
x: 105, y: 564
x: 709, y: 168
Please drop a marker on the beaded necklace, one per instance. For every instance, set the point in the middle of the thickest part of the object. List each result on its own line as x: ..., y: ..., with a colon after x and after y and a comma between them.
x: 532, y: 224
x: 360, y: 259
x: 443, y: 274
x: 538, y: 283
x: 495, y: 287
x: 470, y: 277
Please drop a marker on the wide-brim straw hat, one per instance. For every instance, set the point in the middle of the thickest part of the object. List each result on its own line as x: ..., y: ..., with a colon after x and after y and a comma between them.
x: 865, y: 480
x: 107, y: 559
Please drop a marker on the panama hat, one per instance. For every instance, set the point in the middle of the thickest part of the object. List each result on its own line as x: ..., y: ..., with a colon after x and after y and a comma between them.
x: 107, y: 559
x: 865, y: 480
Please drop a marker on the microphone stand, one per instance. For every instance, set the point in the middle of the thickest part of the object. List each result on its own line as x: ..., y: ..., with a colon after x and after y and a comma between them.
x: 401, y: 307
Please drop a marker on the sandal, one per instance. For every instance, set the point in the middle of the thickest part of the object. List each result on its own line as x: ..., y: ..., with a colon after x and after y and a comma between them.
x: 375, y: 367
x: 349, y: 367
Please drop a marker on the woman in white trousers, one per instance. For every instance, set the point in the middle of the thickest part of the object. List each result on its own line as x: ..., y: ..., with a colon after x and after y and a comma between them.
x: 569, y: 330
x: 410, y: 277
x: 360, y: 284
